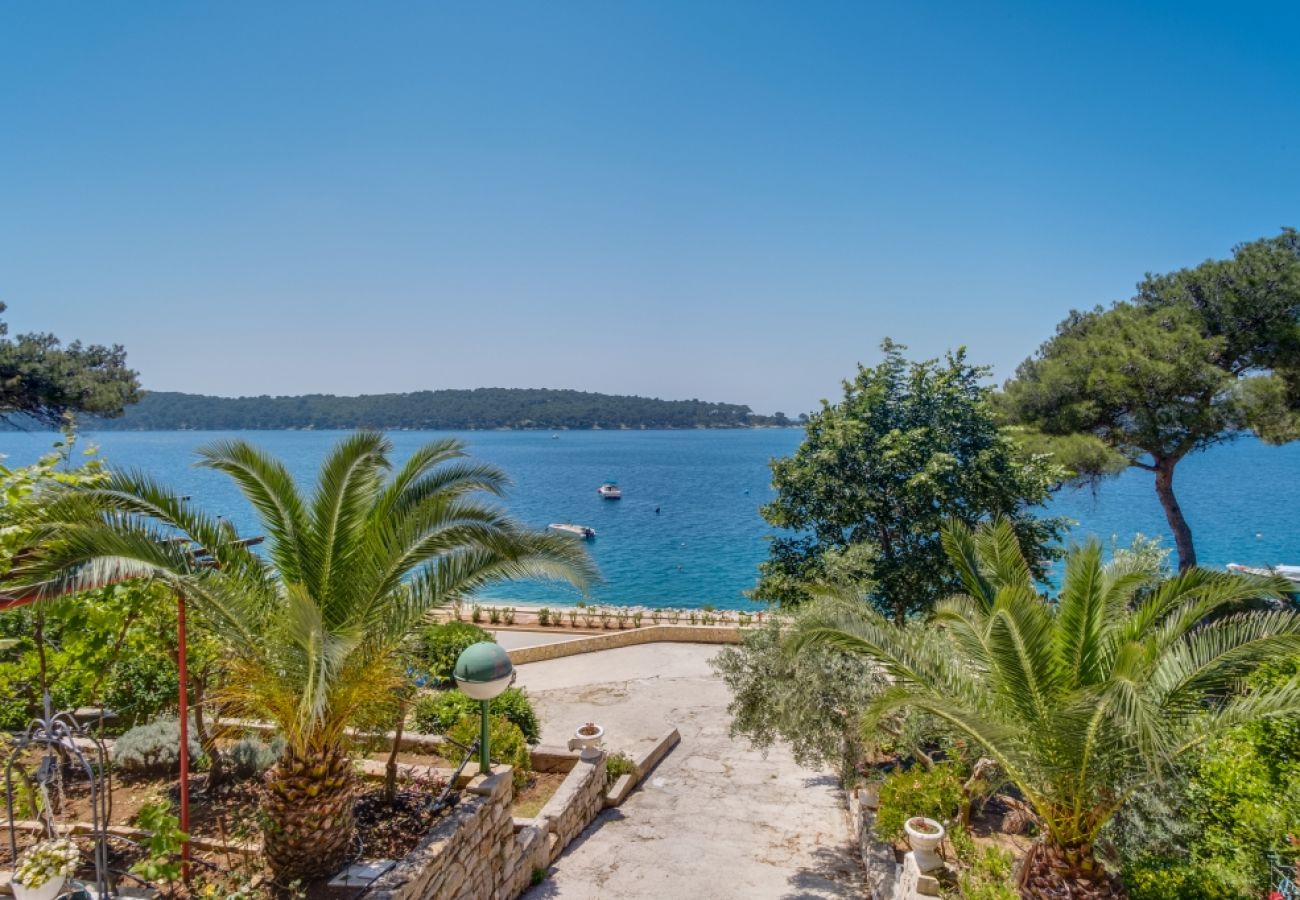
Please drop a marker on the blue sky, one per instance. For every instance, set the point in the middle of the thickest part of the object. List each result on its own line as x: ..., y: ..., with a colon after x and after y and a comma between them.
x: 730, y: 201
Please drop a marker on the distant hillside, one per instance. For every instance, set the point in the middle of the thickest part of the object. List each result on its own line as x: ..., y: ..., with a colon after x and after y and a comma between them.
x: 482, y: 408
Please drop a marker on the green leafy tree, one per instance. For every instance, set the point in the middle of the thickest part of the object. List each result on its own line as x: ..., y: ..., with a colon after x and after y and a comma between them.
x: 812, y: 701
x: 1199, y: 357
x: 910, y: 445
x: 1082, y: 699
x: 42, y: 379
x: 315, y: 628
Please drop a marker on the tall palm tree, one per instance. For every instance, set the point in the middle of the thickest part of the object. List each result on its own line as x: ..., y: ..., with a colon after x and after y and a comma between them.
x: 1084, y: 699
x: 314, y: 626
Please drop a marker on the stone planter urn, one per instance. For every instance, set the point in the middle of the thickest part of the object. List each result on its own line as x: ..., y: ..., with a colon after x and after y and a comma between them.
x: 48, y: 891
x: 587, y: 738
x: 924, y: 836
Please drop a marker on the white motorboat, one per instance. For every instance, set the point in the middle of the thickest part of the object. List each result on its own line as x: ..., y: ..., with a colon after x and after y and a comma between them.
x: 609, y: 490
x: 1290, y: 573
x: 583, y: 531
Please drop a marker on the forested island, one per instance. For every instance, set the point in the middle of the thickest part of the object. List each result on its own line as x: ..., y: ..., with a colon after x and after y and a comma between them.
x: 482, y: 408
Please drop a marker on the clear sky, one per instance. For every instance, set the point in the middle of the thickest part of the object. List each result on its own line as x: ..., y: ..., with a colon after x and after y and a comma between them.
x: 731, y: 201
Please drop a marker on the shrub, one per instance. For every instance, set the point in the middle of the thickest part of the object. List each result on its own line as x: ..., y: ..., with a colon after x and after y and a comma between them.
x: 656, y: 616
x: 249, y: 756
x: 140, y: 686
x: 636, y: 618
x: 509, y: 615
x: 442, y: 645
x: 507, y: 744
x: 810, y: 700
x: 162, y: 846
x: 154, y: 748
x: 437, y: 713
x: 934, y: 793
x: 573, y: 618
x: 543, y: 616
x: 622, y: 617
x: 1165, y: 879
x: 476, y: 613
x: 494, y: 615
x: 616, y: 766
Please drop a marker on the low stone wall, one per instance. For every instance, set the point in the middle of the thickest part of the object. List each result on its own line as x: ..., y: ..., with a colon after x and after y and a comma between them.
x: 579, y: 798
x: 878, y: 858
x: 480, y: 853
x: 649, y: 634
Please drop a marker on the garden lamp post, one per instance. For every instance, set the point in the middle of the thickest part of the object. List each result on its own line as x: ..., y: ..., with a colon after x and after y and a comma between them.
x: 483, y: 671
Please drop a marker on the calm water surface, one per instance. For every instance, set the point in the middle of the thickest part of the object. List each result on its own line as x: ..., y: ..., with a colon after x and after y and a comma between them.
x: 706, y: 540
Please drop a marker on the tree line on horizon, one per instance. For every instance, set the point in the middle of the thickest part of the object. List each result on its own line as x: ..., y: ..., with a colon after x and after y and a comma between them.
x: 481, y: 408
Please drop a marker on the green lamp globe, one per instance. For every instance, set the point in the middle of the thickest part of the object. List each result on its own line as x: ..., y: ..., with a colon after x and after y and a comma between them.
x: 483, y: 670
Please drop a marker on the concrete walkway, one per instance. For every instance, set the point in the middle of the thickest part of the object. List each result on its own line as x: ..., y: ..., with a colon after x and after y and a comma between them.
x: 715, y: 819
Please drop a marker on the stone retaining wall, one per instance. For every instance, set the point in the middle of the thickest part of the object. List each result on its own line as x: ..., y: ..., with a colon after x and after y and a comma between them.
x: 878, y: 858
x: 649, y: 634
x: 480, y: 853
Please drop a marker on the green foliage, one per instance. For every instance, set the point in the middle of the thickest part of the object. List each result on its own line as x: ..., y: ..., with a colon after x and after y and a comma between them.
x: 437, y: 712
x: 154, y: 748
x: 441, y: 645
x: 616, y: 766
x: 1226, y: 812
x: 1177, y: 880
x: 1086, y: 698
x: 935, y: 793
x: 811, y: 700
x: 43, y: 381
x: 162, y: 846
x: 141, y: 686
x: 985, y: 871
x: 862, y: 500
x: 449, y: 410
x: 101, y: 646
x: 507, y: 744
x: 1196, y: 358
x: 250, y: 756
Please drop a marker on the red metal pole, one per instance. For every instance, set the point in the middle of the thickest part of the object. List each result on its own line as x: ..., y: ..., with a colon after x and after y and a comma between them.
x: 185, y: 736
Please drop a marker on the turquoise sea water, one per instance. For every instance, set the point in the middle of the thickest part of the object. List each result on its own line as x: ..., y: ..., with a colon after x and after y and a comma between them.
x: 704, y: 544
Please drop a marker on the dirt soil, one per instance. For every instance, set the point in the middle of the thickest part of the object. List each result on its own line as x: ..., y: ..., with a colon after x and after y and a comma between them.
x: 540, y: 788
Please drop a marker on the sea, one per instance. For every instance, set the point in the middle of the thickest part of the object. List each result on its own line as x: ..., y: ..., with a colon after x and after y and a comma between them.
x: 687, y: 532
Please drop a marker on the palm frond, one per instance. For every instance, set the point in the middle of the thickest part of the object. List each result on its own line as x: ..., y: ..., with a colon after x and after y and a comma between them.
x: 267, y: 484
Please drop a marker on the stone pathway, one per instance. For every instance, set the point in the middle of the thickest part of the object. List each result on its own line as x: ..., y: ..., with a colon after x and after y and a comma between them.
x: 715, y: 819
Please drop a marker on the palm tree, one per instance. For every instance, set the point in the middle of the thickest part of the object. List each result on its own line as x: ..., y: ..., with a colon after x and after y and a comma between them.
x: 1081, y: 700
x: 314, y: 626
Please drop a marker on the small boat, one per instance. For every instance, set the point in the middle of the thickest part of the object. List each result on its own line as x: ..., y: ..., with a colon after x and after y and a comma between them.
x: 1290, y: 573
x: 583, y: 531
x: 609, y: 490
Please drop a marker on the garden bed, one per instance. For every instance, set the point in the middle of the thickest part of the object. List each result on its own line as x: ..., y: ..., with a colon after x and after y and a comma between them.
x: 541, y: 786
x: 224, y: 823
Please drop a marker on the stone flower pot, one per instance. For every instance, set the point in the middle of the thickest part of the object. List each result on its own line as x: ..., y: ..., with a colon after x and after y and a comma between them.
x: 587, y: 738
x: 48, y: 891
x: 924, y: 836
